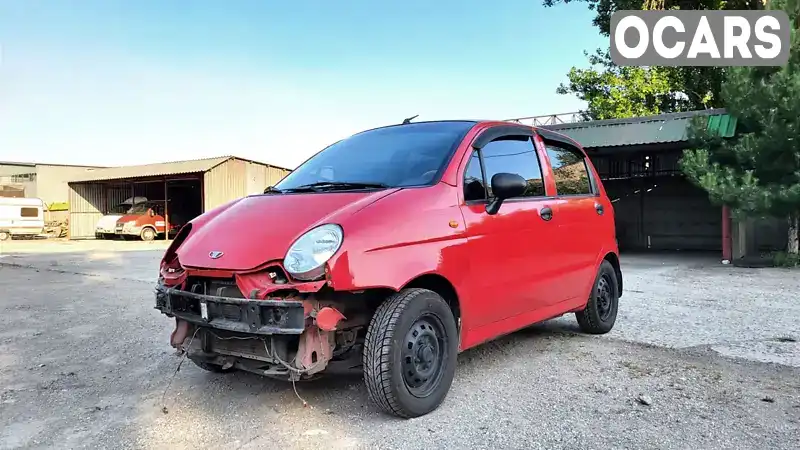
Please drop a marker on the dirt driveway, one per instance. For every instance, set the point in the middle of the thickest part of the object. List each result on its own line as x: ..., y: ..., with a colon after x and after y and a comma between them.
x: 703, y: 356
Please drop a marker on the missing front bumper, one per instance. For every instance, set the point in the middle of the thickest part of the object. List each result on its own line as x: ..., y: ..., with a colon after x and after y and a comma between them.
x: 259, y: 317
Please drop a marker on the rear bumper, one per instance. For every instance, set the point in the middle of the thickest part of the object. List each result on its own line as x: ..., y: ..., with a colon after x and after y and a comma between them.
x: 258, y: 317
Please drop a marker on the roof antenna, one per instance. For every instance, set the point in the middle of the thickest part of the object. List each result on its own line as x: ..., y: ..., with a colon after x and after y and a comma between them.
x: 407, y: 121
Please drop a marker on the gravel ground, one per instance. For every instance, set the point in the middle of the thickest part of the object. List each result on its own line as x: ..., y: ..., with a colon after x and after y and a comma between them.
x: 701, y: 358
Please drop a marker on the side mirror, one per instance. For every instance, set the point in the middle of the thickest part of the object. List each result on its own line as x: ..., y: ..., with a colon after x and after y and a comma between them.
x: 505, y: 186
x: 152, y: 213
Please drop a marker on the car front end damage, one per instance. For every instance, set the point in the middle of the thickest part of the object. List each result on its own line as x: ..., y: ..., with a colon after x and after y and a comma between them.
x: 281, y: 329
x: 128, y: 228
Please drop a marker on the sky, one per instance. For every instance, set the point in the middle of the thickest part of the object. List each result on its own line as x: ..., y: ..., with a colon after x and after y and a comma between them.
x: 133, y: 82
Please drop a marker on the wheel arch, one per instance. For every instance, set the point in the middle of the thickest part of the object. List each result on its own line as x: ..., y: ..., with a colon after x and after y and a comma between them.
x: 440, y: 285
x: 149, y: 227
x: 612, y: 258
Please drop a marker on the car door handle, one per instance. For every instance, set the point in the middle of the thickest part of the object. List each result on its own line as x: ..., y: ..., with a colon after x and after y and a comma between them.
x: 546, y: 213
x: 599, y: 208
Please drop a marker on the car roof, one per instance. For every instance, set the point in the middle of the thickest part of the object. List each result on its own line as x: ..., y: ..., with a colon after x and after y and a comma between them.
x: 487, y: 122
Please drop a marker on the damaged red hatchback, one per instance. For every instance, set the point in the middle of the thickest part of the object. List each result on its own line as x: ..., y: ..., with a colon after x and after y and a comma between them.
x: 393, y: 250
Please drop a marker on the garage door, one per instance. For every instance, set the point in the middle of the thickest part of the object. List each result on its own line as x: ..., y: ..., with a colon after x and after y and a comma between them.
x: 664, y: 213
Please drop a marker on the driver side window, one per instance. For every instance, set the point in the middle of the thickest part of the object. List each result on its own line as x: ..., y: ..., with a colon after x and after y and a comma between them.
x: 512, y: 154
x: 474, y: 188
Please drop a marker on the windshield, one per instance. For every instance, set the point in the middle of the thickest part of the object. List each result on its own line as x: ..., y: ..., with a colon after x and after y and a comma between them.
x: 140, y: 208
x: 119, y: 209
x: 396, y: 156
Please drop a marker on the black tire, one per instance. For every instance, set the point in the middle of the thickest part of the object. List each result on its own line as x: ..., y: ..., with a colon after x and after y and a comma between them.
x: 600, y: 313
x: 147, y: 234
x: 388, y: 368
x: 215, y: 368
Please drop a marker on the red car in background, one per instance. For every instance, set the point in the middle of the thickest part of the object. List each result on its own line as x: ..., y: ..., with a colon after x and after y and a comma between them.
x: 392, y: 251
x: 145, y: 221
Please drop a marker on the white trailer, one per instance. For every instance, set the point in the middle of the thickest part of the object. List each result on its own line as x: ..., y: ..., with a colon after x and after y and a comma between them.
x: 21, y: 217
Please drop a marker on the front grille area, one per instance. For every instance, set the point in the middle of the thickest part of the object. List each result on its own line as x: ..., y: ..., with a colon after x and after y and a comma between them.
x: 218, y: 303
x: 221, y: 287
x: 252, y: 348
x: 230, y: 312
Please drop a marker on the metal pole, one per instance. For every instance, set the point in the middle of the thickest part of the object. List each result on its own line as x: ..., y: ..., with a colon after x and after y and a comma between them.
x: 166, y: 211
x: 727, y: 243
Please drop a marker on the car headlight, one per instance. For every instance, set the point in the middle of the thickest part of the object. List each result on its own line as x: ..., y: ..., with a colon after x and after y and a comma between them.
x: 309, y: 253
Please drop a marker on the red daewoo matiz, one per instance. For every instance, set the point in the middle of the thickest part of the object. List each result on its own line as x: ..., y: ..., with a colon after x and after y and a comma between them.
x: 392, y: 251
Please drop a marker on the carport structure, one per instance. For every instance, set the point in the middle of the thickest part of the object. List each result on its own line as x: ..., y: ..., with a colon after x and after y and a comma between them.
x: 656, y: 207
x: 186, y: 189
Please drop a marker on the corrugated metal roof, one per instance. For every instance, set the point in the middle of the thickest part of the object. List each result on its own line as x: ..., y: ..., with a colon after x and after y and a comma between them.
x: 34, y: 164
x: 662, y: 128
x: 152, y: 170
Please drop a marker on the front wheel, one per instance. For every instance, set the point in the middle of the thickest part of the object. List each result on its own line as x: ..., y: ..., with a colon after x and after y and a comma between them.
x: 410, y: 353
x: 4, y: 235
x: 148, y: 234
x: 600, y: 313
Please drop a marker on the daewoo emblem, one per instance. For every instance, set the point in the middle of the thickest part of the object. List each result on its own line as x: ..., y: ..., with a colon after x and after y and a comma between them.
x: 215, y: 255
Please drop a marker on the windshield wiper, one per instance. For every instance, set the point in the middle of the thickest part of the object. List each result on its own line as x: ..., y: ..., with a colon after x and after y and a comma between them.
x: 272, y: 190
x: 322, y: 185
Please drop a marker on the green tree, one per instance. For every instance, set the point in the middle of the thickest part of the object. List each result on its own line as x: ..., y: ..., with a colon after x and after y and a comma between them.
x: 757, y: 172
x: 618, y: 92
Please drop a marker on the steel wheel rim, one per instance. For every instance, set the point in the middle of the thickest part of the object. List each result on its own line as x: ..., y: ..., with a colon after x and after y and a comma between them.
x: 423, y: 356
x: 604, y: 297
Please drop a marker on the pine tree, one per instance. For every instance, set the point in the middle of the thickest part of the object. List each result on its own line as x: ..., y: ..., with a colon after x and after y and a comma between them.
x: 757, y: 173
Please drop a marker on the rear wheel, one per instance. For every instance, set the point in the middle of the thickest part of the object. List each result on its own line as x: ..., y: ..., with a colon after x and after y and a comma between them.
x: 600, y: 313
x: 4, y: 235
x: 148, y: 234
x: 410, y: 353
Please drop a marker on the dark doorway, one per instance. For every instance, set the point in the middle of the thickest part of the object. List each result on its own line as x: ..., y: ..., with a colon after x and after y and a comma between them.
x: 655, y: 206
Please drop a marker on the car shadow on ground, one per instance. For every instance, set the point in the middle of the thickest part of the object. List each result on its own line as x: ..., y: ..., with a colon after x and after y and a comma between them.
x: 329, y: 390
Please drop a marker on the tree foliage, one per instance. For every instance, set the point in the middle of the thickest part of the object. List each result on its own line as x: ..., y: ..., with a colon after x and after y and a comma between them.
x: 618, y: 92
x: 758, y: 171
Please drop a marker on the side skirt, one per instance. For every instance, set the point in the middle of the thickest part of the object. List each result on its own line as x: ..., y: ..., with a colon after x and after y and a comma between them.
x: 477, y: 336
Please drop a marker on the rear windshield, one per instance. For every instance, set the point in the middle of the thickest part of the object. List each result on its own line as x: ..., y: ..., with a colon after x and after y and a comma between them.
x: 404, y: 155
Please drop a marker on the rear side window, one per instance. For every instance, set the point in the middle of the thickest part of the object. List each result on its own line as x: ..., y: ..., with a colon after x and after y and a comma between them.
x: 29, y: 212
x: 570, y: 171
x: 515, y: 155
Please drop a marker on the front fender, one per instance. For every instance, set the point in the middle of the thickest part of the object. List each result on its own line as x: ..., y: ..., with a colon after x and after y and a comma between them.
x: 394, y: 267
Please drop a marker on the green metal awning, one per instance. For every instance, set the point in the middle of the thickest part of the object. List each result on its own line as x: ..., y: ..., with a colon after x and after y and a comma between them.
x: 663, y: 128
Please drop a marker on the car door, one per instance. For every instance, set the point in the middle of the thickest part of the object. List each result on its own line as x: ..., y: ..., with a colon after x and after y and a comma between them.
x: 513, y: 252
x: 581, y: 214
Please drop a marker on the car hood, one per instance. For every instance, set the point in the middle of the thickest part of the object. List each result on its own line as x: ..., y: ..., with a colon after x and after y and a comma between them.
x: 129, y: 218
x: 261, y: 228
x: 108, y: 221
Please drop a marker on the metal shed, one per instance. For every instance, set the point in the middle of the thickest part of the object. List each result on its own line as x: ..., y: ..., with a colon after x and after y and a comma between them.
x: 193, y: 187
x: 656, y: 207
